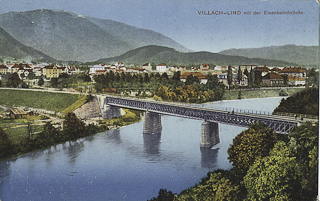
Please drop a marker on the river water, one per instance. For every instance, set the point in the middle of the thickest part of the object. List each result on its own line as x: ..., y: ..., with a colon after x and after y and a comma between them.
x: 123, y: 164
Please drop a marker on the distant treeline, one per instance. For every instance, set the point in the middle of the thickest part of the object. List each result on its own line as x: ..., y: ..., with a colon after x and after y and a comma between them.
x: 303, y: 102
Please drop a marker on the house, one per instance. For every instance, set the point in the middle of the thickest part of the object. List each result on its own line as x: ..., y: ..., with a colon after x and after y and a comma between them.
x: 264, y: 70
x: 294, y: 81
x: 96, y: 67
x: 17, y: 67
x: 204, y: 67
x: 18, y: 113
x: 243, y: 67
x: 4, y: 69
x: 147, y: 66
x: 202, y: 78
x: 223, y: 77
x: 182, y: 68
x: 273, y: 79
x: 294, y: 72
x: 52, y: 71
x: 161, y: 67
x: 37, y: 71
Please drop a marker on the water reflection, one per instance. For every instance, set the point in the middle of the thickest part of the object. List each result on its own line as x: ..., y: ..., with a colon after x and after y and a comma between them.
x: 4, y: 174
x: 73, y: 149
x: 113, y: 136
x: 209, y: 157
x: 151, y: 143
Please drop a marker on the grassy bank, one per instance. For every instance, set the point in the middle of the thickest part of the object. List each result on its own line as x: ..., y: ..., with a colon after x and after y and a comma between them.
x: 258, y: 93
x: 37, y: 99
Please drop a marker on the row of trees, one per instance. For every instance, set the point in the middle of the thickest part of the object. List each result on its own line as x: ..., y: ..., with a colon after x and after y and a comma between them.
x: 73, y: 128
x: 171, y: 89
x: 265, y: 167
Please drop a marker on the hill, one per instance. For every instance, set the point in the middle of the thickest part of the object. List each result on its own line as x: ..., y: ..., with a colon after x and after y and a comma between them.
x: 160, y: 54
x: 10, y: 47
x: 301, y: 55
x: 68, y: 36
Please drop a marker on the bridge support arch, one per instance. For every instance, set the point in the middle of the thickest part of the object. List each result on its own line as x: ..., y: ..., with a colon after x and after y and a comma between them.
x: 110, y: 112
x: 210, y: 134
x: 152, y: 123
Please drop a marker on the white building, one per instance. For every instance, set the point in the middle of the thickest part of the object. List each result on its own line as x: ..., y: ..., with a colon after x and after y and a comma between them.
x: 96, y: 67
x: 161, y: 67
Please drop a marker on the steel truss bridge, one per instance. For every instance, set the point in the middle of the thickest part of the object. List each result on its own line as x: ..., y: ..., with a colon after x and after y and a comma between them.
x: 280, y: 124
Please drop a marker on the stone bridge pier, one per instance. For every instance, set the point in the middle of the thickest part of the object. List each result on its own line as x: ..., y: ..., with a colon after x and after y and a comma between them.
x: 210, y: 134
x: 108, y: 111
x: 152, y: 123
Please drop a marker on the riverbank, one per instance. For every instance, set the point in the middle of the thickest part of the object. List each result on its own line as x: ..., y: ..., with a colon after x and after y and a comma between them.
x: 259, y: 93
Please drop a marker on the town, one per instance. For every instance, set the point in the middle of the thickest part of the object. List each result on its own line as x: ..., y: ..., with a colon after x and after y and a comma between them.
x: 34, y: 75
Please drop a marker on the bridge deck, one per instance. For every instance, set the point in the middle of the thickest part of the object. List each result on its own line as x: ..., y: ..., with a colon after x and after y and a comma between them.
x: 280, y: 124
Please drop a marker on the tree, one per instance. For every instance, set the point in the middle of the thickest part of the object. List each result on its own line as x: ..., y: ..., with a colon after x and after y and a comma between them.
x: 41, y: 81
x: 164, y: 195
x: 73, y: 127
x: 218, y: 185
x: 176, y: 76
x: 253, y: 143
x: 192, y: 80
x: 303, y: 141
x: 85, y: 77
x: 274, y: 177
x: 5, y: 144
x: 14, y: 80
x: 229, y: 76
x: 54, y: 82
x: 239, y: 75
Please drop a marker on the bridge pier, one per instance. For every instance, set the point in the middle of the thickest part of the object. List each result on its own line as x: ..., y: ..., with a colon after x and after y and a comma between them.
x: 152, y: 123
x: 110, y: 112
x: 210, y: 134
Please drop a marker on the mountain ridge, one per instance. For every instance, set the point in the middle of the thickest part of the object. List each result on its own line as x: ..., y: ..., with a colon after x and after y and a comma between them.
x: 68, y: 36
x: 14, y: 49
x: 160, y: 54
x: 299, y: 54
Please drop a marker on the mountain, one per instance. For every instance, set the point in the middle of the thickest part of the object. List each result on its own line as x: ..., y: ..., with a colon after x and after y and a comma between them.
x: 301, y: 55
x: 10, y: 47
x: 68, y: 36
x: 160, y: 54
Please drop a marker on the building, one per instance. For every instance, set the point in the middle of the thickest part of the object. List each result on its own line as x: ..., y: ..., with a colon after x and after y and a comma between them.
x: 294, y: 72
x: 52, y: 71
x: 18, y: 113
x: 161, y: 68
x: 273, y: 79
x: 147, y: 66
x: 264, y: 70
x: 202, y: 78
x: 204, y: 67
x: 294, y: 81
x: 94, y: 68
x: 4, y: 69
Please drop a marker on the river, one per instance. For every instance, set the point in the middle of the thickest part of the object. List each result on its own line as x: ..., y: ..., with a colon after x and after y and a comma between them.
x: 123, y: 164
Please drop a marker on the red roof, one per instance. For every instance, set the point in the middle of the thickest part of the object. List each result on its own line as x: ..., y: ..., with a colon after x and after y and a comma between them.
x: 293, y: 70
x: 272, y: 76
x: 197, y: 74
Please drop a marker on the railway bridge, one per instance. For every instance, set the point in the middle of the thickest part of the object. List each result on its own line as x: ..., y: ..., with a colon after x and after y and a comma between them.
x: 211, y: 117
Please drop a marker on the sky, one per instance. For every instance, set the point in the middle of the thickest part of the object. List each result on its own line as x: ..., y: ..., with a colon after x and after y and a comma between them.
x: 185, y: 20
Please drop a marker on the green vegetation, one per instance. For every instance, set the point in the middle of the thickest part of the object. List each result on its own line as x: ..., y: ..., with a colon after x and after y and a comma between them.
x: 258, y: 93
x: 251, y: 144
x: 81, y: 101
x: 304, y: 102
x: 37, y: 99
x: 20, y: 138
x: 161, y: 87
x: 283, y: 168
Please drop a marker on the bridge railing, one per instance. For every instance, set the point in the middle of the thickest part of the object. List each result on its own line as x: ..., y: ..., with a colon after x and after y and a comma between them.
x: 296, y: 115
x: 237, y: 110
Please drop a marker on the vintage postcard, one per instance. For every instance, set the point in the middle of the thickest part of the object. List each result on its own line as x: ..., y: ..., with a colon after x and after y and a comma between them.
x: 159, y: 100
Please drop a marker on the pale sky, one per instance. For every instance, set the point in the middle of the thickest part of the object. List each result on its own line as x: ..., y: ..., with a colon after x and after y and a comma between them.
x: 181, y: 21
